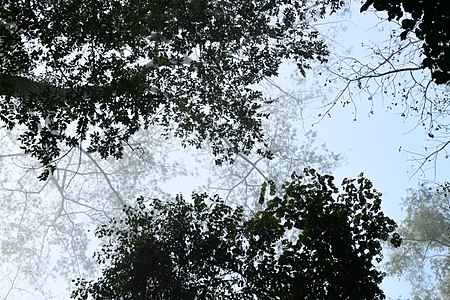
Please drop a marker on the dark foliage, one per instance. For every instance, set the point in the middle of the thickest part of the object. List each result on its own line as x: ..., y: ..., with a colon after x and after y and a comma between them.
x: 311, y: 243
x: 98, y: 71
x: 429, y: 20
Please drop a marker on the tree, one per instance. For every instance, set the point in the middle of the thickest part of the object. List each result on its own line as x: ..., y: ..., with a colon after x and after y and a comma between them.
x: 407, y: 70
x: 311, y: 243
x: 429, y: 21
x: 85, y: 80
x: 424, y: 257
x: 97, y: 72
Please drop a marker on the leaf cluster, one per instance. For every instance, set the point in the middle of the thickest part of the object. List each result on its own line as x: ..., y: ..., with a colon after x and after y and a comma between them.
x: 105, y: 69
x: 429, y: 21
x: 312, y: 243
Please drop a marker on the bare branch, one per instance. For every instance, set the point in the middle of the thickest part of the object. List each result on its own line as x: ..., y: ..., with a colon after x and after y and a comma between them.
x: 108, y: 181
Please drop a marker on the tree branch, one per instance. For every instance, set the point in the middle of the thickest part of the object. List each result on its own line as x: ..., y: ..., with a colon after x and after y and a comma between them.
x: 119, y: 197
x: 18, y: 86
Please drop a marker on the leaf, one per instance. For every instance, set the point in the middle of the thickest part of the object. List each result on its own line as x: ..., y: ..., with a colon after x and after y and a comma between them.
x: 440, y: 77
x: 408, y: 24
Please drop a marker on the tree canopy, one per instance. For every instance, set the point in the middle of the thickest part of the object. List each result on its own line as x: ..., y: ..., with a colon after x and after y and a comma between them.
x: 98, y: 71
x: 429, y: 21
x: 313, y: 242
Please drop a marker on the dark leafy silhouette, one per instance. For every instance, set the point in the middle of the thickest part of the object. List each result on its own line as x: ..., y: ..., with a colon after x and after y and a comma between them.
x: 95, y: 72
x: 311, y: 243
x: 429, y: 21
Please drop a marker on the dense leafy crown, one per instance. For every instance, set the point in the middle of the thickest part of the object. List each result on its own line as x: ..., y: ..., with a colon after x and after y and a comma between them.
x: 98, y: 71
x: 311, y: 243
x: 429, y: 20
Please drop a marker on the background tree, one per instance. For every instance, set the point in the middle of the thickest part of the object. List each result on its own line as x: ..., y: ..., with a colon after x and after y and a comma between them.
x: 300, y: 246
x: 293, y: 147
x: 45, y: 223
x: 424, y: 256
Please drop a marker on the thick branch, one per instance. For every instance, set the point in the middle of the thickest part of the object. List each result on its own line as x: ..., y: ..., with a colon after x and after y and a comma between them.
x: 18, y: 86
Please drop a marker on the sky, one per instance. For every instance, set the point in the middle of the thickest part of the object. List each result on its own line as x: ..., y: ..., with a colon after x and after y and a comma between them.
x: 371, y: 145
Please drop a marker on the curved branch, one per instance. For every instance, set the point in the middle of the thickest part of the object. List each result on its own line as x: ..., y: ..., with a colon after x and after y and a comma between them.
x: 108, y: 181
